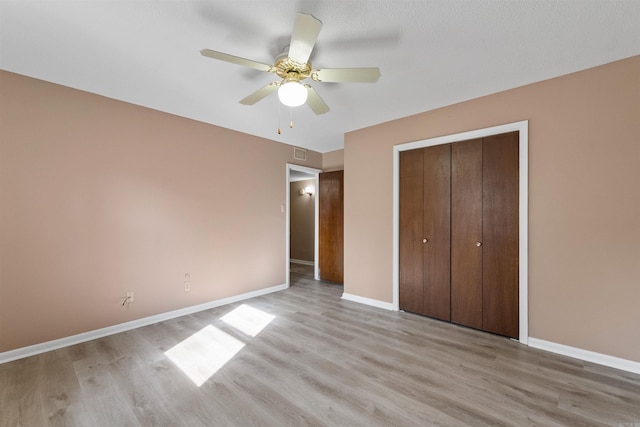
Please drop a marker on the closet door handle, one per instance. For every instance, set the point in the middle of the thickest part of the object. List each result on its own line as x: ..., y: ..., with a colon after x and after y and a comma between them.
x: 425, y: 240
x: 478, y: 244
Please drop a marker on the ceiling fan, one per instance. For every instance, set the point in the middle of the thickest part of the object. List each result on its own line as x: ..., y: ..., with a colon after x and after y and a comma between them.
x: 293, y: 67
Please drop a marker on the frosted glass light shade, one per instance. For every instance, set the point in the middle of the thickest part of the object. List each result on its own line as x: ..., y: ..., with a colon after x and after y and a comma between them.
x: 292, y: 94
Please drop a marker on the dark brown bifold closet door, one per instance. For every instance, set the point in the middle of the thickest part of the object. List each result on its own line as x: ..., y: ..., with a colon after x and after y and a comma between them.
x: 459, y: 233
x: 500, y: 188
x: 331, y: 226
x: 410, y: 241
x: 425, y: 210
x: 466, y: 233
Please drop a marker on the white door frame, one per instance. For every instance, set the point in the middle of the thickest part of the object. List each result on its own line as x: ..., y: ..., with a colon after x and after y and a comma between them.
x: 315, y: 173
x: 523, y: 129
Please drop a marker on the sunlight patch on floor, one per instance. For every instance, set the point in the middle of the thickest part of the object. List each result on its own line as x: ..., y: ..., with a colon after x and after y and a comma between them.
x: 204, y: 353
x: 248, y: 320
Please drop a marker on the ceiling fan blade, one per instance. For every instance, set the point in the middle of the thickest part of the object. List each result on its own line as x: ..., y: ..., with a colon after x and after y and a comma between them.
x: 343, y: 75
x: 235, y: 60
x: 303, y: 38
x: 314, y: 101
x: 260, y: 93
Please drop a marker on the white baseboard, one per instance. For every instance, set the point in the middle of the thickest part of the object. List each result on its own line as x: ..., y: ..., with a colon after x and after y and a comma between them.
x: 20, y: 353
x: 301, y: 261
x: 368, y: 301
x: 32, y: 350
x: 586, y: 355
x: 565, y: 350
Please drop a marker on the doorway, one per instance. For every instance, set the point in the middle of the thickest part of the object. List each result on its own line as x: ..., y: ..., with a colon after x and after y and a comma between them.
x: 296, y: 173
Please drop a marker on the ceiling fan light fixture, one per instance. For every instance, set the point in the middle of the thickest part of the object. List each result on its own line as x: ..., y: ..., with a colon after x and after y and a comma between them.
x: 293, y: 67
x: 292, y: 94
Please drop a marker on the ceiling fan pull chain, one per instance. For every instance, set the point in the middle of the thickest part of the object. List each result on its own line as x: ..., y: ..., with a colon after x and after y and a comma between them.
x: 291, y: 117
x: 279, y: 131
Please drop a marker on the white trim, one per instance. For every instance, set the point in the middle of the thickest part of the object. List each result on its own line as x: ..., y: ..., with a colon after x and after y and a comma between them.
x: 523, y: 129
x: 586, y: 355
x: 368, y: 301
x: 315, y: 172
x: 301, y: 261
x: 299, y: 179
x: 32, y: 350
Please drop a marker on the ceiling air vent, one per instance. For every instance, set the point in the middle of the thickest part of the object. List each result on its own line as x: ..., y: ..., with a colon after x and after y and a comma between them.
x: 299, y: 153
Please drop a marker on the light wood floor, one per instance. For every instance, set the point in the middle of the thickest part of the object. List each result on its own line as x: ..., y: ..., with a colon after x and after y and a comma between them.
x: 320, y: 361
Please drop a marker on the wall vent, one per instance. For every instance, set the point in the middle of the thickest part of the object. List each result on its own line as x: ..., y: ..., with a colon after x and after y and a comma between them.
x: 299, y: 153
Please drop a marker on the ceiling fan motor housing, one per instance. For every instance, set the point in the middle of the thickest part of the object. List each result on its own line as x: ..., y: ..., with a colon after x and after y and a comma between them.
x: 290, y: 70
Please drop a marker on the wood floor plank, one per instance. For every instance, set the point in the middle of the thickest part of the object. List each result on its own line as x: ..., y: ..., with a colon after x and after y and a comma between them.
x: 19, y: 393
x: 186, y: 402
x: 320, y: 361
x: 101, y: 396
x: 60, y: 392
x: 332, y: 380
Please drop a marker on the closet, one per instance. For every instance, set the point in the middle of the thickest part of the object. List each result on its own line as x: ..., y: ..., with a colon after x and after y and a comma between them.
x: 459, y: 232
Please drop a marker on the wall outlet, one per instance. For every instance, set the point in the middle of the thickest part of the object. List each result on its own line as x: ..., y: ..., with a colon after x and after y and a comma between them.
x: 130, y: 297
x: 187, y: 286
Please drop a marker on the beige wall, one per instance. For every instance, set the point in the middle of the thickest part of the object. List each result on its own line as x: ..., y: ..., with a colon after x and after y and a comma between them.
x: 302, y: 217
x: 100, y: 197
x: 333, y: 161
x: 584, y: 201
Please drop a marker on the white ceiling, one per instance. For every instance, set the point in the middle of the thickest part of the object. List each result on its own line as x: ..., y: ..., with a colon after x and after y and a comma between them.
x: 431, y: 53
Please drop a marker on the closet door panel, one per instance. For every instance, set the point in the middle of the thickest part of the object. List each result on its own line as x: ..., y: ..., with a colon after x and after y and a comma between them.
x: 500, y: 234
x: 411, y: 247
x: 466, y: 233
x: 437, y: 229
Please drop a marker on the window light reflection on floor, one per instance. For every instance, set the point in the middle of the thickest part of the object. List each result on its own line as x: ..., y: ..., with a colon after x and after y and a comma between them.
x: 248, y: 320
x: 202, y: 354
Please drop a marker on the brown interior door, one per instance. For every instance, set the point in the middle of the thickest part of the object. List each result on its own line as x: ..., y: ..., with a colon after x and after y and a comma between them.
x: 459, y: 233
x: 466, y: 233
x: 425, y: 208
x: 331, y: 226
x: 411, y: 235
x: 500, y: 234
x: 437, y: 229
